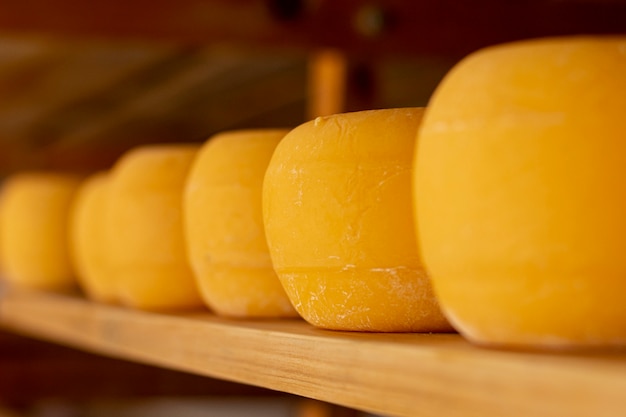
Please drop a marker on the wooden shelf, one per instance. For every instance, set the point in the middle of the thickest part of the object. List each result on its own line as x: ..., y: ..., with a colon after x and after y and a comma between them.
x: 392, y: 374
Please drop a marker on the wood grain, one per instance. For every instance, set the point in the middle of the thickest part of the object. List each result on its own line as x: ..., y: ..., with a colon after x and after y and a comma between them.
x: 392, y: 374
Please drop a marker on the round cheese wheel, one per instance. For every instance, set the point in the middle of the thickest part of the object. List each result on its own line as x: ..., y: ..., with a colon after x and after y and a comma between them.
x: 224, y: 225
x: 34, y: 230
x: 144, y: 237
x: 339, y: 223
x: 519, y: 193
x: 87, y: 239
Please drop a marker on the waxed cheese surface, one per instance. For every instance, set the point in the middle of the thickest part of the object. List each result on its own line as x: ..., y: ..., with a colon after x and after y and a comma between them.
x: 224, y: 224
x: 87, y: 239
x: 519, y: 193
x: 338, y: 218
x: 144, y: 238
x: 33, y: 230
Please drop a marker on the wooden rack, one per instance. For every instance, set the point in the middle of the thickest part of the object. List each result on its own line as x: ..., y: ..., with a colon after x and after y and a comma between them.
x: 392, y: 374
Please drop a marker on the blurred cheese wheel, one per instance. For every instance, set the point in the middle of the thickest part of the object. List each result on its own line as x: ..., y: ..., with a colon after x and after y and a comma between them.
x: 144, y: 237
x: 87, y: 234
x: 224, y: 225
x: 339, y: 223
x: 520, y: 193
x: 33, y: 230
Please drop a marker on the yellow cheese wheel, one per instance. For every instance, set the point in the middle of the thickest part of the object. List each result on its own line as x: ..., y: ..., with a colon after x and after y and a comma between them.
x: 144, y: 237
x: 339, y: 223
x: 33, y: 230
x: 519, y: 193
x: 87, y: 244
x: 224, y: 225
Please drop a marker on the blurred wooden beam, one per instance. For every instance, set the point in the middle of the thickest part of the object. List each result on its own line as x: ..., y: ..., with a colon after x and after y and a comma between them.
x: 328, y: 70
x: 444, y: 27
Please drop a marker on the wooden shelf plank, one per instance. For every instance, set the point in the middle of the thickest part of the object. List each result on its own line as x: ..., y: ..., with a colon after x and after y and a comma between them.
x: 392, y: 374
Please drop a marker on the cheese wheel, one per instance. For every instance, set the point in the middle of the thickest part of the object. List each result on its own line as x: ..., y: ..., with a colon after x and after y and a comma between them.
x: 224, y: 224
x: 519, y: 193
x: 339, y: 223
x: 33, y: 230
x: 87, y: 239
x: 144, y: 238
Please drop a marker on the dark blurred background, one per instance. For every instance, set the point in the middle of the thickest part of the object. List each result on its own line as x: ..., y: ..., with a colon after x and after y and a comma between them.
x: 82, y: 81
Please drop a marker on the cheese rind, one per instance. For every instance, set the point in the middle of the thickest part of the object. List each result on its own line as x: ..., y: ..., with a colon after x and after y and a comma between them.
x: 224, y: 225
x: 338, y: 217
x: 519, y: 195
x: 144, y: 237
x: 396, y: 299
x: 33, y: 229
x: 87, y: 239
